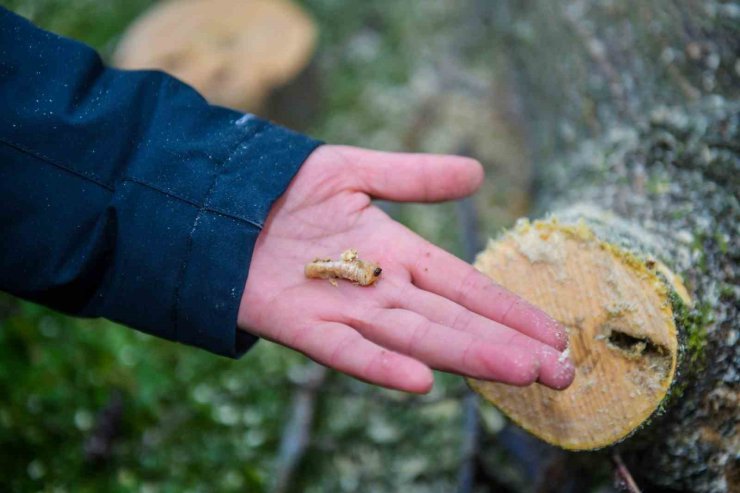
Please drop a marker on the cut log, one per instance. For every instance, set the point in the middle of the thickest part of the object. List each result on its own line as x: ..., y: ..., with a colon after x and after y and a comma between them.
x: 618, y: 311
x: 639, y: 260
x: 234, y: 52
x: 634, y: 108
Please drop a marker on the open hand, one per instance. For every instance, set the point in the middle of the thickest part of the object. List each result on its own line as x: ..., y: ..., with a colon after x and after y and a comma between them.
x: 428, y: 308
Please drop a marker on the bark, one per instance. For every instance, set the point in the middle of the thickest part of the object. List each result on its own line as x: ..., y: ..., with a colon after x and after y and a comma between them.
x: 632, y: 109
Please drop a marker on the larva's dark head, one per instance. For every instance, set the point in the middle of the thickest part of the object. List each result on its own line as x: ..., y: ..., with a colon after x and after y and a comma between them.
x: 377, y: 271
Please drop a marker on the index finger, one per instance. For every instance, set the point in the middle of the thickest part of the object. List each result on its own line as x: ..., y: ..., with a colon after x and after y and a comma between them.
x: 413, y: 177
x: 432, y: 269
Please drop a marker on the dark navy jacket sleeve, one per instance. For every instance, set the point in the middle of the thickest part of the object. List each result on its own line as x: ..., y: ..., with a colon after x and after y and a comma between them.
x: 125, y: 195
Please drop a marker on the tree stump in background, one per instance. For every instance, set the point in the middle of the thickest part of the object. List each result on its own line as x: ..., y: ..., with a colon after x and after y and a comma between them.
x: 233, y: 52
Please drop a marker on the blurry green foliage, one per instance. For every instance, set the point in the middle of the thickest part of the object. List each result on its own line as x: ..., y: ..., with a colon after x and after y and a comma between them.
x: 189, y: 420
x: 95, y: 22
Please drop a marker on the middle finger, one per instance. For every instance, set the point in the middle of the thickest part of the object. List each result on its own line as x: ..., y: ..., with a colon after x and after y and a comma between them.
x: 556, y: 371
x: 445, y: 348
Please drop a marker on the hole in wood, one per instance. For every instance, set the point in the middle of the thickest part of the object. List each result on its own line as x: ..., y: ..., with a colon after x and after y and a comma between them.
x: 653, y: 357
x: 635, y: 347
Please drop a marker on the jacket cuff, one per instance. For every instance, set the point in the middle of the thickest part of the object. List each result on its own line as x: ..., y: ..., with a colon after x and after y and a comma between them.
x: 182, y: 252
x: 223, y: 235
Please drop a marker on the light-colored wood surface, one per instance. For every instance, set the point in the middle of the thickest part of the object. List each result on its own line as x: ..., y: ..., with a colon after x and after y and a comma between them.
x: 232, y: 51
x: 622, y: 337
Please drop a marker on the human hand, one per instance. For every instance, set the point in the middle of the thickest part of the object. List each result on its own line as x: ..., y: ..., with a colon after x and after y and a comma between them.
x: 428, y: 308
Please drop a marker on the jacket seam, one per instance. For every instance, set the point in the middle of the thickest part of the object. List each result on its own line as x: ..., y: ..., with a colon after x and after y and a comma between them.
x: 48, y: 160
x: 94, y: 180
x: 193, y: 203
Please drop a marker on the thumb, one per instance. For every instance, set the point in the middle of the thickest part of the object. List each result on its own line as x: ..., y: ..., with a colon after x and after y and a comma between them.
x: 413, y: 177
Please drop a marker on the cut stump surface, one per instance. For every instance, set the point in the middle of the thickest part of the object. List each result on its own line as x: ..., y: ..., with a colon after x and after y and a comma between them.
x: 622, y: 336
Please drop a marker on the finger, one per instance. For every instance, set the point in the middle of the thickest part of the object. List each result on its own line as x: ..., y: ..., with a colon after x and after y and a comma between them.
x: 556, y: 370
x: 447, y: 349
x: 413, y: 177
x: 434, y: 270
x: 343, y: 348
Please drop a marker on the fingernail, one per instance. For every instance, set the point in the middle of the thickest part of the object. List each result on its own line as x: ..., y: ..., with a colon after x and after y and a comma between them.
x: 566, y: 371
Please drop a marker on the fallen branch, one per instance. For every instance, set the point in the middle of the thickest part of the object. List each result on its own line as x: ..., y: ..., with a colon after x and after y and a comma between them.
x: 297, y: 432
x: 623, y: 475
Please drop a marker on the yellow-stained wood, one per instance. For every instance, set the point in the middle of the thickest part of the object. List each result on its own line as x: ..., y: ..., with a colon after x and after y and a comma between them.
x: 622, y: 336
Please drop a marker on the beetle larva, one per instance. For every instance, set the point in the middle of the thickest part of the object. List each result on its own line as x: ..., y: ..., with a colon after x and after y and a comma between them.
x: 350, y: 267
